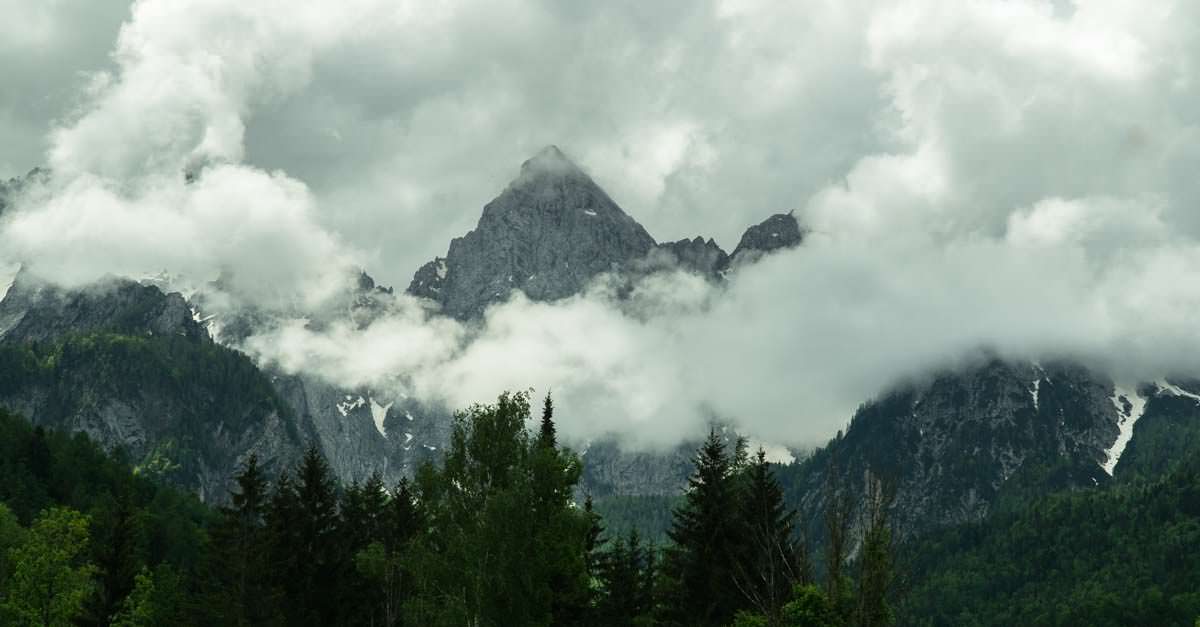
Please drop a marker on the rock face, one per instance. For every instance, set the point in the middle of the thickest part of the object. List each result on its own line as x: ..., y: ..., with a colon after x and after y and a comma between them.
x: 955, y: 447
x: 781, y: 230
x: 34, y: 311
x: 549, y: 233
x: 129, y: 366
x: 698, y: 255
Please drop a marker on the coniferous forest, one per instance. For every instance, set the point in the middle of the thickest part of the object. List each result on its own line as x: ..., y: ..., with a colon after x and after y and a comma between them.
x: 497, y: 534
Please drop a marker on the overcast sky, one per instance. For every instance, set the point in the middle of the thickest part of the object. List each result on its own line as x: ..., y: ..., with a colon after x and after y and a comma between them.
x: 1019, y: 174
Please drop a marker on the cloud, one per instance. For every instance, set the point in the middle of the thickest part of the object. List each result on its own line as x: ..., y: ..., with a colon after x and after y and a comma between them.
x: 1018, y: 176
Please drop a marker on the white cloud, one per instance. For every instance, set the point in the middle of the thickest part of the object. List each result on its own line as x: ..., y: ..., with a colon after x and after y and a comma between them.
x: 1015, y: 175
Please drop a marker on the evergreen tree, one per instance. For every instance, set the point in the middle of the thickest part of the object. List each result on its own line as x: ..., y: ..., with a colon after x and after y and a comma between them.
x: 769, y: 566
x: 699, y: 568
x: 547, y: 434
x: 283, y: 521
x: 241, y: 567
x: 383, y: 562
x: 625, y: 572
x: 315, y: 593
x: 116, y: 535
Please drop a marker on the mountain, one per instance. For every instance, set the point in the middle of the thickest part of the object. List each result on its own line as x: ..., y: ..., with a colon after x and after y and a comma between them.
x: 130, y: 367
x: 547, y: 234
x: 955, y: 446
x: 779, y: 231
x: 966, y: 443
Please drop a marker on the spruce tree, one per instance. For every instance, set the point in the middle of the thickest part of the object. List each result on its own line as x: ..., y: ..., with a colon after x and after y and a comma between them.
x: 240, y: 566
x: 321, y: 563
x: 547, y: 434
x: 625, y: 574
x: 706, y: 533
x: 768, y: 566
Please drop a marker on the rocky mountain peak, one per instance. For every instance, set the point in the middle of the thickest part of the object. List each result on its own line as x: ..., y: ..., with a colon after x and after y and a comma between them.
x: 547, y: 234
x: 550, y: 161
x: 781, y: 230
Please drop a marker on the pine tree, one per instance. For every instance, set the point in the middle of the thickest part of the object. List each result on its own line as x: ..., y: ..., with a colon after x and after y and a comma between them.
x: 625, y: 571
x: 548, y: 435
x: 768, y: 566
x: 240, y: 566
x: 321, y: 561
x: 700, y: 566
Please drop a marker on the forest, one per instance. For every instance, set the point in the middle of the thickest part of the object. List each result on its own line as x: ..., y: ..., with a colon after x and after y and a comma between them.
x: 498, y: 534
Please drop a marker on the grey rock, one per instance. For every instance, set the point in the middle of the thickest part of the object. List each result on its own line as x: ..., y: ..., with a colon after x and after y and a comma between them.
x: 698, y: 255
x: 129, y: 366
x: 953, y: 448
x: 548, y: 234
x: 779, y: 231
x: 36, y: 311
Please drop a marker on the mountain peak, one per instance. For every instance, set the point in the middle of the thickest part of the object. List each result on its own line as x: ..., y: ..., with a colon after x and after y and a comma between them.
x: 549, y: 160
x: 548, y: 234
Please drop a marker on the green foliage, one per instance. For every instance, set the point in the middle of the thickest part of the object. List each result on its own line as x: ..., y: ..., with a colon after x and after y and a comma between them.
x: 51, y: 578
x: 504, y: 545
x: 808, y: 606
x: 1117, y: 556
x: 134, y: 521
x: 625, y: 572
x: 137, y: 610
x: 700, y: 566
x: 649, y: 515
x: 1167, y: 435
x: 198, y: 383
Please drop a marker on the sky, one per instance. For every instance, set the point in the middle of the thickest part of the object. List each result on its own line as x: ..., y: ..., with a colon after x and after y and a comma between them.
x: 1017, y: 175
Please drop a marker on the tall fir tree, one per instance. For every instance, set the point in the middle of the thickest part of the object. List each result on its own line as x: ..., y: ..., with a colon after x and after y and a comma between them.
x: 240, y: 566
x: 547, y: 433
x: 706, y: 533
x: 322, y: 562
x: 625, y: 573
x: 769, y: 565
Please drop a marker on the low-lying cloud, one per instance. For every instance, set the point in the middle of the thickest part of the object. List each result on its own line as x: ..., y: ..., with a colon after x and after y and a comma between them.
x: 1013, y: 176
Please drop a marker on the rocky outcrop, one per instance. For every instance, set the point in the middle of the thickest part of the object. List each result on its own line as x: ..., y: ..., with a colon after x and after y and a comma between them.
x: 548, y: 234
x: 779, y: 231
x: 956, y: 446
x: 697, y: 255
x: 36, y: 311
x: 130, y: 366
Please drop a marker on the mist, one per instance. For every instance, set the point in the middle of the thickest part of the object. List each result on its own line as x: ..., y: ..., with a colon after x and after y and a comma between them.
x: 1015, y: 177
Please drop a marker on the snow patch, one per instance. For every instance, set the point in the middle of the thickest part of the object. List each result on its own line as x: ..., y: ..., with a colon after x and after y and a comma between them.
x: 589, y: 212
x: 1175, y: 390
x: 408, y: 416
x: 408, y: 437
x: 8, y: 275
x: 441, y: 268
x: 1126, y: 419
x: 200, y: 318
x: 350, y: 404
x: 378, y: 414
x: 1037, y: 386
